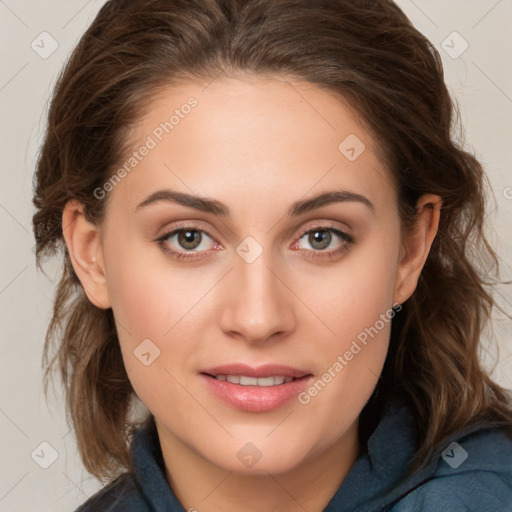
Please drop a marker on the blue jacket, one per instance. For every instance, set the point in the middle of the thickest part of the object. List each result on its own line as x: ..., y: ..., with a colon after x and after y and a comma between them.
x: 472, y: 473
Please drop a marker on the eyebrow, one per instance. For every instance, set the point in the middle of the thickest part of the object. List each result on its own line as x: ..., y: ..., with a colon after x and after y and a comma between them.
x: 207, y: 205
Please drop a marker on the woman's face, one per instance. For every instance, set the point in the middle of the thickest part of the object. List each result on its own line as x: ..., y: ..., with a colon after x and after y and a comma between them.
x: 287, y: 265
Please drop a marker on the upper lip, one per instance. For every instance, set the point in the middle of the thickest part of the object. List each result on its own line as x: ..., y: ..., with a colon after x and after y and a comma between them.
x: 267, y: 370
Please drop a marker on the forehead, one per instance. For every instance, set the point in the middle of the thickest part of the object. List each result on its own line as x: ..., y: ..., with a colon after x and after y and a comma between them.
x: 259, y: 132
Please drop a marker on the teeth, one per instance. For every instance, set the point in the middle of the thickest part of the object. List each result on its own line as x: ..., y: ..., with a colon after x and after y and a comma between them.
x: 249, y: 381
x: 264, y: 381
x: 243, y: 380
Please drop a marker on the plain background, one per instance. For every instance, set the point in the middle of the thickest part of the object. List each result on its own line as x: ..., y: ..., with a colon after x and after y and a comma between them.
x: 479, y: 76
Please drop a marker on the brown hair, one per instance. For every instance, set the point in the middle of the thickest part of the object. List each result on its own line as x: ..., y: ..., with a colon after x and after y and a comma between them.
x: 368, y: 52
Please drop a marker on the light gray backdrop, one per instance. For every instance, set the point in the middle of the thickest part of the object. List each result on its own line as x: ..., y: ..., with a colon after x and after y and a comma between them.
x: 40, y: 469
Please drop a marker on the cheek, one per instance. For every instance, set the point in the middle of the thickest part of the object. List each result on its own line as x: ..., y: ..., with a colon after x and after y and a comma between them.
x: 146, y: 310
x: 154, y: 307
x: 353, y: 296
x: 356, y: 306
x: 146, y: 294
x: 139, y: 304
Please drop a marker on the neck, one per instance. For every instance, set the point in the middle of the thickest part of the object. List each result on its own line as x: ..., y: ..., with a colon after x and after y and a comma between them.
x: 202, y: 485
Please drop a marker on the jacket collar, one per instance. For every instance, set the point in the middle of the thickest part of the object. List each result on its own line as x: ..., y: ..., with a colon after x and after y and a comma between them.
x: 377, y: 480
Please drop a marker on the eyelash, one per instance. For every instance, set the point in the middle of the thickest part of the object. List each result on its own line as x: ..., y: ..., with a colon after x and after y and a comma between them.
x: 183, y: 255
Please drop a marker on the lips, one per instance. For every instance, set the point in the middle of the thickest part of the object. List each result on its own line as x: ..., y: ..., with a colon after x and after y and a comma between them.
x: 259, y: 389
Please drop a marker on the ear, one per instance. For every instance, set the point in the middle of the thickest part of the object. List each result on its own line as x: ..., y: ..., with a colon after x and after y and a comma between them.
x: 83, y: 241
x: 416, y: 246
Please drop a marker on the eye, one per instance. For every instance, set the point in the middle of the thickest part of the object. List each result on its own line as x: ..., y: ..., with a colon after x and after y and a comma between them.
x: 189, y: 242
x: 321, y: 238
x: 186, y: 242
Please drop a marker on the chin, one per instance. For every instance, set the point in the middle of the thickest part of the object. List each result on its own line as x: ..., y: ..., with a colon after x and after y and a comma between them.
x: 259, y: 458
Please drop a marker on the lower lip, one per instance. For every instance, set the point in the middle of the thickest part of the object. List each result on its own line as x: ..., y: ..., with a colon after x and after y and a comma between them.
x: 256, y: 398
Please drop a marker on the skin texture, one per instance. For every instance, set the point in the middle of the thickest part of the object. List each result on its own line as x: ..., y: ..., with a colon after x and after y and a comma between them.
x: 257, y: 145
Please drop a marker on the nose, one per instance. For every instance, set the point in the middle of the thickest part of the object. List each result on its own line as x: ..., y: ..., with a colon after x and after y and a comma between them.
x: 257, y: 303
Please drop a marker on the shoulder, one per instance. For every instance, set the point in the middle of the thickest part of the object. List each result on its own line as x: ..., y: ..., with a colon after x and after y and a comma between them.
x: 472, y: 473
x: 122, y: 494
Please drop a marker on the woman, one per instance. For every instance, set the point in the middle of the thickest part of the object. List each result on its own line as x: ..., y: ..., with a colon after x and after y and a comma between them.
x: 272, y: 242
